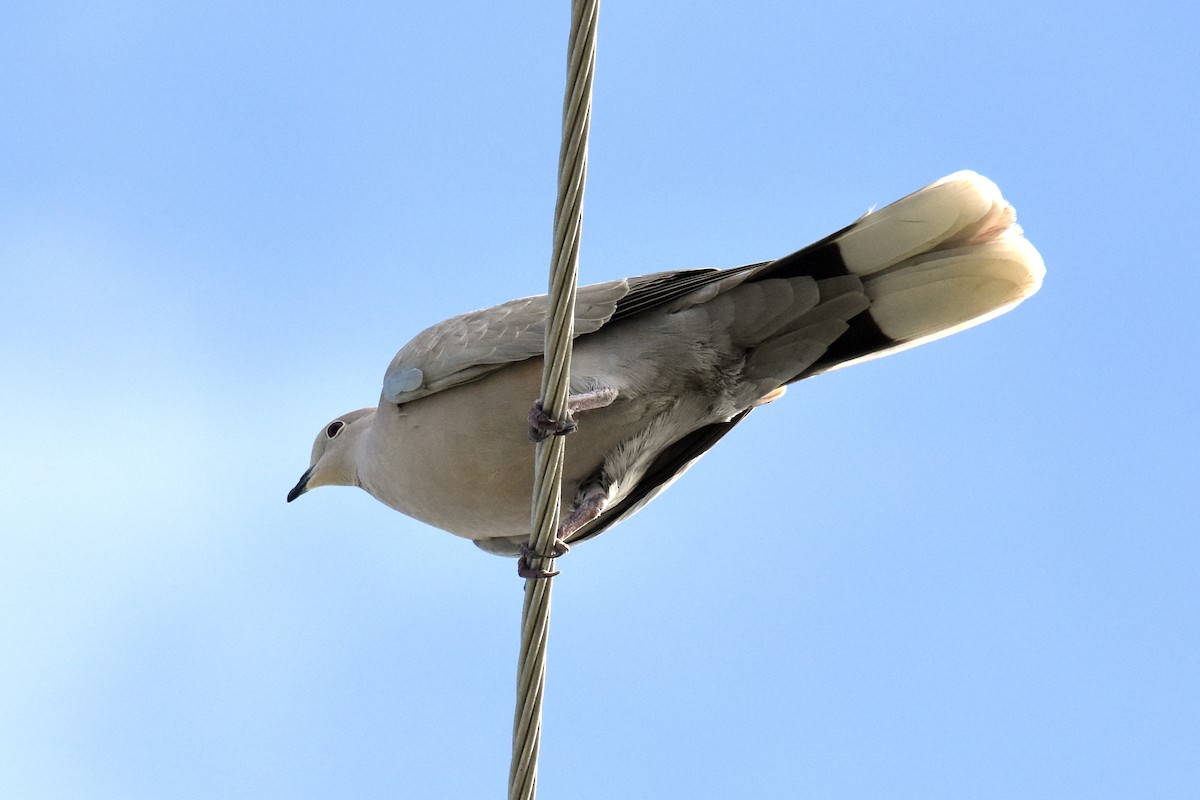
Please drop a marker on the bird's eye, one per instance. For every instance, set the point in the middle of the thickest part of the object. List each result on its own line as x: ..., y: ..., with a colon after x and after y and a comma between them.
x: 334, y: 428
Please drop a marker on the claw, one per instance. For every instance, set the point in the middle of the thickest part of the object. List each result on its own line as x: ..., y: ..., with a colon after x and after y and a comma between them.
x: 526, y: 570
x: 543, y: 426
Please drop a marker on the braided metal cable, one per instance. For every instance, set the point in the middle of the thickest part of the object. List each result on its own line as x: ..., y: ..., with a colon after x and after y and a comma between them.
x: 556, y: 370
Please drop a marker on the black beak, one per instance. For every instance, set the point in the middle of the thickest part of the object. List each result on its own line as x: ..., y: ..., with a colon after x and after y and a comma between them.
x: 301, y: 487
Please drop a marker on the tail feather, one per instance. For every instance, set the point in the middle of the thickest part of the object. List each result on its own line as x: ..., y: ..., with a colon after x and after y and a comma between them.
x: 943, y: 259
x: 941, y: 292
x: 960, y: 208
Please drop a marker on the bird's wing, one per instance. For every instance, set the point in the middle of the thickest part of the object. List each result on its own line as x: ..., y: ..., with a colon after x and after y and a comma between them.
x: 469, y: 346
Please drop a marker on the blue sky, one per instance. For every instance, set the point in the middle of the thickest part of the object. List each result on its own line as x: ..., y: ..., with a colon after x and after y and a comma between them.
x: 966, y: 571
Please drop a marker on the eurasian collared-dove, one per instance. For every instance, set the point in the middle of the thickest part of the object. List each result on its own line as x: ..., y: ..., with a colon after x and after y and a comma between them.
x: 664, y: 365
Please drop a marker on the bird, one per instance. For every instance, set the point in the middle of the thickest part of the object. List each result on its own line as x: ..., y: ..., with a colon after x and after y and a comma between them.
x: 664, y: 366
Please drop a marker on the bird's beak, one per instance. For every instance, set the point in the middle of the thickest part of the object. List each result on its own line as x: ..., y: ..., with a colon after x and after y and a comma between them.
x: 301, y: 487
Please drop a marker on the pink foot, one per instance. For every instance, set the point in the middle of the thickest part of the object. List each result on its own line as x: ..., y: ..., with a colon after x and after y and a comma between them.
x: 526, y: 570
x: 542, y: 425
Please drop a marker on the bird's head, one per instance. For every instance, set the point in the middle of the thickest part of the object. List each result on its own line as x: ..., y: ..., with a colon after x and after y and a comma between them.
x: 334, y: 460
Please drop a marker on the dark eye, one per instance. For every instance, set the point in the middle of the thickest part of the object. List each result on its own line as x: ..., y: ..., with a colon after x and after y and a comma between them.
x: 334, y: 428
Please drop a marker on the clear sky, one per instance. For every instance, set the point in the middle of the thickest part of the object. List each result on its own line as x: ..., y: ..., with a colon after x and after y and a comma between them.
x: 967, y: 571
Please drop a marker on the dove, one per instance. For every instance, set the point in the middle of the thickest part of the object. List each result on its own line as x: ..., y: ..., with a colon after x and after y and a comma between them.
x: 664, y: 365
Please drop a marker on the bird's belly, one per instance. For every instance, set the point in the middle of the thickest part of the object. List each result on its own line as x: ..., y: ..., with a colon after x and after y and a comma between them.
x: 464, y: 463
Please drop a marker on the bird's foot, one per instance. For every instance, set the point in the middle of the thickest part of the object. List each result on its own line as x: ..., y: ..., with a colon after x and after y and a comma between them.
x: 590, y: 505
x: 526, y: 570
x: 543, y: 426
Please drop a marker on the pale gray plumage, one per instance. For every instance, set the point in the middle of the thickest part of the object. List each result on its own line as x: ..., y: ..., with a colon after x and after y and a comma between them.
x: 672, y: 361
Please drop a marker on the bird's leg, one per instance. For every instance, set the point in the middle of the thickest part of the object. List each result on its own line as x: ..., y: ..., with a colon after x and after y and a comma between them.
x: 542, y: 425
x: 596, y: 398
x: 590, y: 505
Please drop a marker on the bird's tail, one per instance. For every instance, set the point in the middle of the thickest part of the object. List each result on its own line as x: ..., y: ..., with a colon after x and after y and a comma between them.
x: 938, y: 261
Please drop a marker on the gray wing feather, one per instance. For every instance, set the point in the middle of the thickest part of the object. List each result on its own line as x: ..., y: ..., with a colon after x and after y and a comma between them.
x: 469, y: 346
